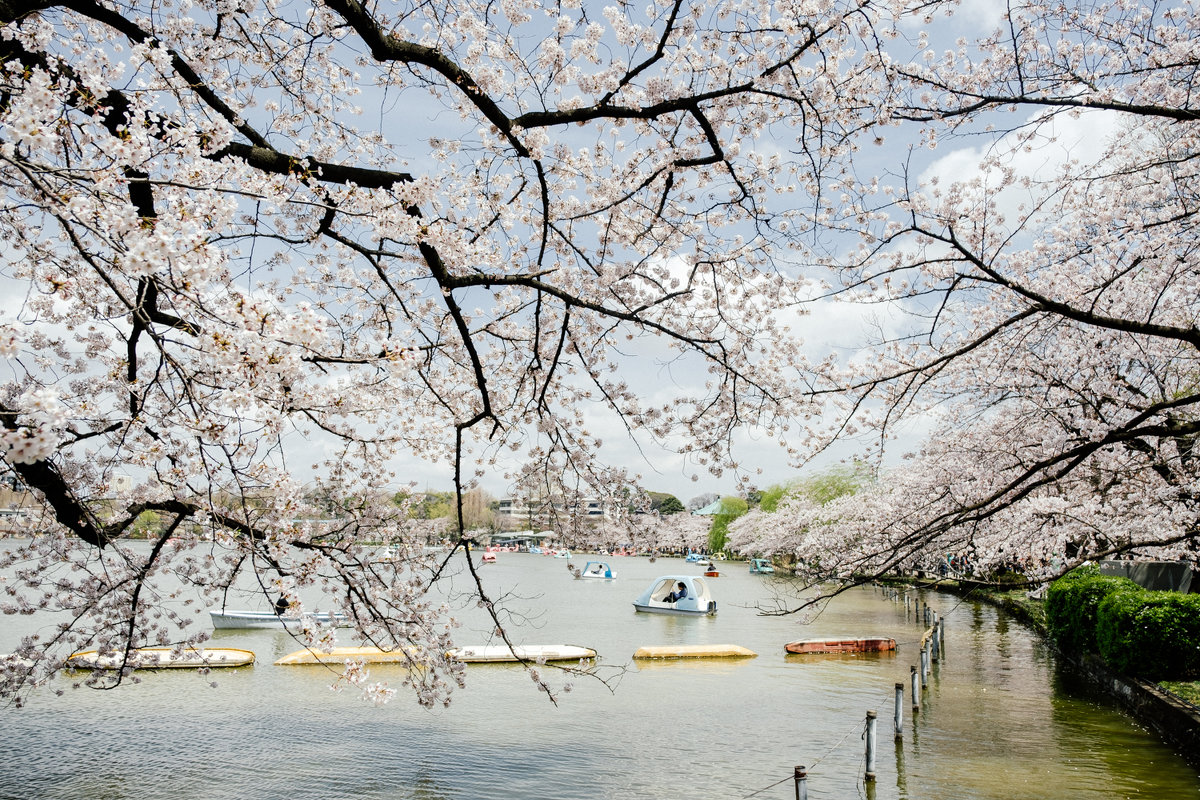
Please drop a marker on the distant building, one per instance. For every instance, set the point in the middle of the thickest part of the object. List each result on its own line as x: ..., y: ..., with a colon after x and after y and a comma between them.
x: 521, y: 539
x: 14, y: 520
x: 542, y: 510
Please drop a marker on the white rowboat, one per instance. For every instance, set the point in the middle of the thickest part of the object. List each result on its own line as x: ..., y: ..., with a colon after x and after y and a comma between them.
x: 163, y: 658
x: 269, y: 619
x: 494, y: 653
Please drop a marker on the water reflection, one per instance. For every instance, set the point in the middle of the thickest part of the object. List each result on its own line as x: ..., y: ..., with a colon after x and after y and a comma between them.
x: 998, y: 719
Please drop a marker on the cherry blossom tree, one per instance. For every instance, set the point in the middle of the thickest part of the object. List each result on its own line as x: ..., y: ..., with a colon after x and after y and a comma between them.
x: 256, y: 252
x: 261, y: 252
x: 1046, y: 284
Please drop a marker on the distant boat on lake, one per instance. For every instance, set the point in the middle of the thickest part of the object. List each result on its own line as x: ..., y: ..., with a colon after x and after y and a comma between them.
x: 761, y: 566
x: 269, y: 619
x: 600, y: 570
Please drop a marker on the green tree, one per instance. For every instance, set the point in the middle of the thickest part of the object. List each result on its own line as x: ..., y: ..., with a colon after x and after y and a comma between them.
x: 769, y: 501
x: 731, y: 509
x: 834, y: 482
x: 427, y: 505
x: 665, y: 504
x: 147, y: 525
x: 669, y: 504
x: 821, y: 487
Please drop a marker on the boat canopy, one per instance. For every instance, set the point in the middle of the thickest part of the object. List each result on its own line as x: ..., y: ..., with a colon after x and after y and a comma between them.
x: 658, y: 598
x: 597, y: 569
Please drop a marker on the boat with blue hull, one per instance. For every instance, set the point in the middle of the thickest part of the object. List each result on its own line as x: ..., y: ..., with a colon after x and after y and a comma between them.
x: 662, y: 597
x: 761, y: 566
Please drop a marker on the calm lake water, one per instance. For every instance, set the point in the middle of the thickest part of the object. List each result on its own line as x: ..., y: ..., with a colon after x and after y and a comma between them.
x: 999, y: 719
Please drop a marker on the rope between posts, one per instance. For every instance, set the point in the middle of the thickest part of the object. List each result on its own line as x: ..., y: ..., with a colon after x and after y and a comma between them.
x: 838, y: 744
x: 861, y: 784
x: 818, y: 761
x: 772, y: 786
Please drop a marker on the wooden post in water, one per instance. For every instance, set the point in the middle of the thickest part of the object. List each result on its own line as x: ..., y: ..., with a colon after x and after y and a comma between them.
x: 801, y: 778
x: 899, y: 710
x: 942, y: 635
x: 924, y: 665
x: 927, y: 615
x: 916, y: 688
x: 871, y: 720
x: 933, y: 640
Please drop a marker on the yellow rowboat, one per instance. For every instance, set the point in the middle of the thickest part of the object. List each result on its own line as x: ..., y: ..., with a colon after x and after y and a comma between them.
x: 163, y: 658
x: 339, y: 655
x: 674, y: 651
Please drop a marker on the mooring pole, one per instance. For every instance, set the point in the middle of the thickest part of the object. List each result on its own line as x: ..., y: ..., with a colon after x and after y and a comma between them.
x: 924, y: 665
x: 801, y: 778
x: 916, y: 688
x: 899, y: 710
x: 870, y: 736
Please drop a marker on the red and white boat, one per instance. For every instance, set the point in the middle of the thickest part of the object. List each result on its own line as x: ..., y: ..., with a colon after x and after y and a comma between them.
x: 876, y: 644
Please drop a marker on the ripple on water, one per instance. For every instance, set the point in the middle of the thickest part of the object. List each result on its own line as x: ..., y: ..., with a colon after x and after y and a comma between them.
x: 997, y: 721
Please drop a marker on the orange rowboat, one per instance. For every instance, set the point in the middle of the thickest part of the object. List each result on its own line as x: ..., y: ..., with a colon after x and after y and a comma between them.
x: 873, y: 645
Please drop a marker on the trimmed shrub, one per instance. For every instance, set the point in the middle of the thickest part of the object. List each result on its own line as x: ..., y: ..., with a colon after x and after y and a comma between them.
x: 1152, y: 635
x: 1071, y: 603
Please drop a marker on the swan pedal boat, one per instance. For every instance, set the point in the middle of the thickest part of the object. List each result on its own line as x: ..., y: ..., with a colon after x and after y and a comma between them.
x: 697, y: 603
x: 163, y: 658
x: 600, y: 570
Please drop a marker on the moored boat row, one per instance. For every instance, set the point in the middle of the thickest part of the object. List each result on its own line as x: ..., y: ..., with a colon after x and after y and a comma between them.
x: 153, y: 658
x: 681, y: 595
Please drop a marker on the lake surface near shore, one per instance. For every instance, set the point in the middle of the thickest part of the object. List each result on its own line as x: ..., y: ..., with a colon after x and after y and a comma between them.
x: 999, y: 719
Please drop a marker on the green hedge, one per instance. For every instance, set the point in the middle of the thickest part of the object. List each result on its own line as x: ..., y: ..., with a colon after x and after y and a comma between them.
x: 1071, y: 604
x: 1152, y: 635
